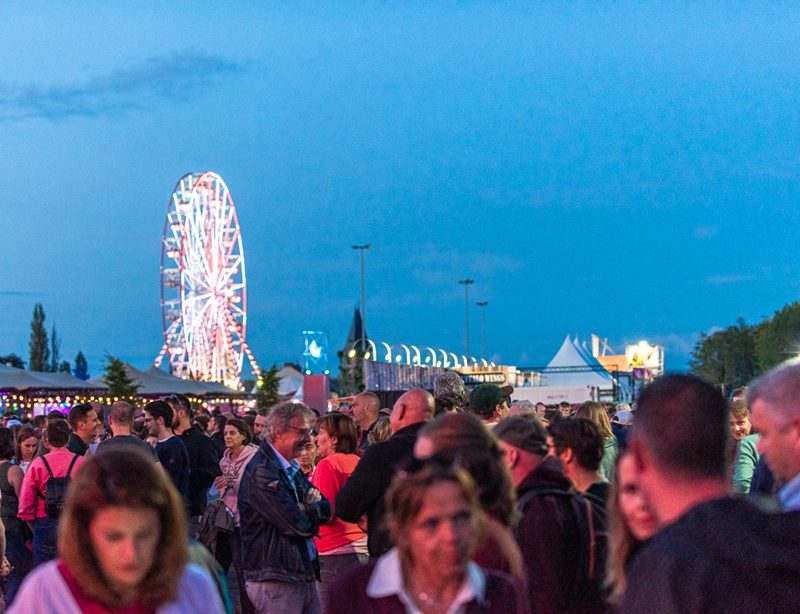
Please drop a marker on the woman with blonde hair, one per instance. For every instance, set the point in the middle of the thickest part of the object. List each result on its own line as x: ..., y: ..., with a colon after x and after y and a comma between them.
x: 595, y: 412
x: 121, y: 545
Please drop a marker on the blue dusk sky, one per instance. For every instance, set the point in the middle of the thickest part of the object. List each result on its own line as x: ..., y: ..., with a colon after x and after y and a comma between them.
x: 628, y: 169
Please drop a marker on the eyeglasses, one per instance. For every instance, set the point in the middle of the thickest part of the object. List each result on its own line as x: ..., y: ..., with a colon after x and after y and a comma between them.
x: 303, y: 432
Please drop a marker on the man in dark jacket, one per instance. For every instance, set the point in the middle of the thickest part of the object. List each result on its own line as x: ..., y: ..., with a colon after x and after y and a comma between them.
x: 203, y: 458
x: 280, y: 512
x: 556, y: 532
x: 713, y: 553
x: 363, y: 493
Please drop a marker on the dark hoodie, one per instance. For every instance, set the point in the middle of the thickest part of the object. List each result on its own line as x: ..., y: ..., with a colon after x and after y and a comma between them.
x: 726, y: 555
x: 549, y: 535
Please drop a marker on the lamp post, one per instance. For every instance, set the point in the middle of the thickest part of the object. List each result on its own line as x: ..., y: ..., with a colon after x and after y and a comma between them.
x: 361, y: 249
x: 467, y: 283
x: 483, y: 304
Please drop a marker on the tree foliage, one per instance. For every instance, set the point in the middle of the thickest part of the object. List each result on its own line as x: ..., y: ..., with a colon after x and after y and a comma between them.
x: 727, y: 356
x: 778, y: 338
x: 117, y: 379
x: 81, y: 367
x: 12, y: 360
x: 268, y: 383
x: 39, y: 348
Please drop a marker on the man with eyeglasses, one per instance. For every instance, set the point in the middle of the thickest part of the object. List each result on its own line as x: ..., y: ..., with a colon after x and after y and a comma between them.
x: 280, y: 512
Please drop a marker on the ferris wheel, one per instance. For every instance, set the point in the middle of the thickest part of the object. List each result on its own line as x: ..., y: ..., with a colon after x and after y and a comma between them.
x: 203, y: 285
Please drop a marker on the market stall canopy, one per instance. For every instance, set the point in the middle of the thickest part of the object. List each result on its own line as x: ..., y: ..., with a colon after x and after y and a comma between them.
x: 12, y: 378
x: 155, y: 382
x: 573, y: 365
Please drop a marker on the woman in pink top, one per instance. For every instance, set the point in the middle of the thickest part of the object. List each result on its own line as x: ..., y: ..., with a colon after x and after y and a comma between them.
x: 238, y: 452
x: 340, y: 544
x: 34, y: 487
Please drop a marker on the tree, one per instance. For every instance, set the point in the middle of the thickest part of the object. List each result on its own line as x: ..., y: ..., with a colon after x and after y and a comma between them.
x: 81, y: 367
x: 39, y: 351
x: 778, y: 338
x: 268, y: 383
x: 64, y: 367
x: 117, y: 379
x: 12, y: 360
x: 726, y: 357
x: 55, y: 350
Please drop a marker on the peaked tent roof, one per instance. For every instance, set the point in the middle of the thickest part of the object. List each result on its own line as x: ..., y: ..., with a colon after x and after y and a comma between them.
x: 570, y: 354
x: 20, y: 379
x: 154, y: 381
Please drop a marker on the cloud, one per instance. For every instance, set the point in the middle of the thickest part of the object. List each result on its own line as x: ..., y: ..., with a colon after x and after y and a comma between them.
x: 170, y: 77
x: 705, y: 232
x: 721, y: 280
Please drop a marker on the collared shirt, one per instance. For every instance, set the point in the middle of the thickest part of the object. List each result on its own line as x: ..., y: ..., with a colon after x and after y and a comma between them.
x: 387, y: 580
x: 789, y: 495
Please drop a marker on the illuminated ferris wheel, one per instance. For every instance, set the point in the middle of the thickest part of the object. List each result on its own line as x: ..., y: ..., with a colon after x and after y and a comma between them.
x: 203, y: 286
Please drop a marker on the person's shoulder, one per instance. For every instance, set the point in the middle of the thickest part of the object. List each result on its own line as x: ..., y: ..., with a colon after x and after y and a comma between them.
x: 504, y: 592
x: 197, y: 592
x: 42, y: 589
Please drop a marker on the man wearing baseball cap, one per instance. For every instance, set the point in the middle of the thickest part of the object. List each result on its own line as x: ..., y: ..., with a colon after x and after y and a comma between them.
x: 556, y: 527
x: 490, y: 402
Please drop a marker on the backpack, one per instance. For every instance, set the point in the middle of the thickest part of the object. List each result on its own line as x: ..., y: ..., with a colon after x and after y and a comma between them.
x: 55, y: 492
x: 591, y: 556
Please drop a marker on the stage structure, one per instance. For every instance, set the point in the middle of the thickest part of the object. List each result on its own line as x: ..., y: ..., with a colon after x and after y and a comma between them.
x: 203, y: 284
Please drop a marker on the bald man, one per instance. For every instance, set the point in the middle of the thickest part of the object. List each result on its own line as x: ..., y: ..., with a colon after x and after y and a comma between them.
x: 363, y: 493
x: 366, y: 408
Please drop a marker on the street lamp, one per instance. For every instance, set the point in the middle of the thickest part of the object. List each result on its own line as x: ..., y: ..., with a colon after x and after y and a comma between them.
x: 362, y: 248
x: 467, y: 283
x: 483, y: 304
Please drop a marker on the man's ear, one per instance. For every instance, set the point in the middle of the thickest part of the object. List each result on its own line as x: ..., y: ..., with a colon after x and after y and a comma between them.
x: 512, y: 457
x: 401, y: 411
x: 566, y: 456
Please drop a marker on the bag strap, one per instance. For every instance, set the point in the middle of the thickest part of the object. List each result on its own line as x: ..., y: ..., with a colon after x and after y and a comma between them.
x: 71, y: 465
x: 47, y: 466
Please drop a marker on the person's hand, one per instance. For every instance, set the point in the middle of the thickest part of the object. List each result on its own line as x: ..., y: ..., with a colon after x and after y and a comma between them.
x: 220, y: 482
x: 5, y: 568
x: 313, y: 495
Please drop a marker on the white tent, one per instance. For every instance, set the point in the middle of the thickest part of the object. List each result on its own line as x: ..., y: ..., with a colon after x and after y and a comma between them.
x: 12, y: 378
x: 574, y: 366
x: 154, y: 381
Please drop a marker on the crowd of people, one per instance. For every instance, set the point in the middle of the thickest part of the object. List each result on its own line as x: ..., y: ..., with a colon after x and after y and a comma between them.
x: 452, y: 501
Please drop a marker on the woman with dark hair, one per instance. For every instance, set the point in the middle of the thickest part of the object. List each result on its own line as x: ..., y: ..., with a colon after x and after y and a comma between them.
x: 340, y: 544
x: 16, y: 531
x: 25, y: 450
x: 595, y: 412
x: 435, y: 521
x: 121, y: 545
x: 238, y: 452
x: 630, y: 523
x: 462, y: 438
